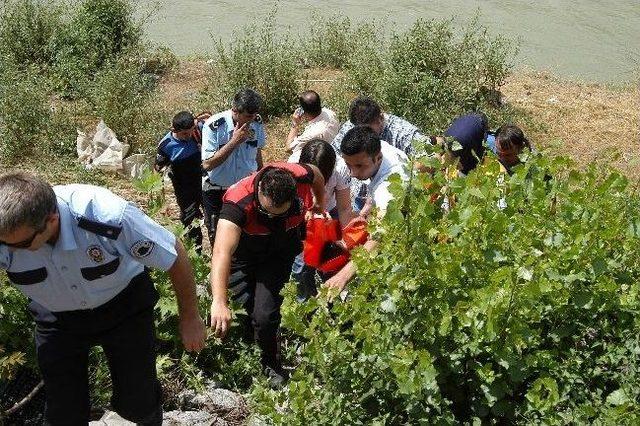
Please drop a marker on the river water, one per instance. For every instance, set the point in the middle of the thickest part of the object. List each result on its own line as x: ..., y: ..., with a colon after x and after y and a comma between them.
x: 579, y: 39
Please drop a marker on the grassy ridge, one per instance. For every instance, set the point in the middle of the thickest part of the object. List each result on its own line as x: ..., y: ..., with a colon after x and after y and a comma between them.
x: 52, y: 82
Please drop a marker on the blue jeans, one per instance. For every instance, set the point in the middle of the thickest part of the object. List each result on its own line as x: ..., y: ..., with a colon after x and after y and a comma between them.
x: 305, y: 277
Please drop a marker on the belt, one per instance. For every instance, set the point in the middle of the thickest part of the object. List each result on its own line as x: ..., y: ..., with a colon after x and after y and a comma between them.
x: 208, y: 186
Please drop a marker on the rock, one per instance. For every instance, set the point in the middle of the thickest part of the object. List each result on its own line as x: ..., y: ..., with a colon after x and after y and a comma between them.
x: 218, y: 399
x: 171, y: 418
x: 212, y: 399
x: 191, y: 418
x: 110, y: 418
x: 209, y: 408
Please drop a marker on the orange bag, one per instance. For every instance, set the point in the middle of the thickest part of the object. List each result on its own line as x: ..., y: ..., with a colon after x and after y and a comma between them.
x: 320, y: 250
x: 320, y: 231
x: 355, y: 233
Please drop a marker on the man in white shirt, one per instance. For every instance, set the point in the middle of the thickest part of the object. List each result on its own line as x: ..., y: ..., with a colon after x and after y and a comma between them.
x: 322, y: 123
x: 369, y: 158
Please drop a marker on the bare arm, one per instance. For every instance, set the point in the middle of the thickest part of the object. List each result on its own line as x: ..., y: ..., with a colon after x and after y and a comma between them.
x: 259, y: 160
x: 317, y: 188
x: 343, y: 203
x: 191, y: 326
x: 340, y: 280
x: 240, y: 134
x: 293, y: 133
x: 227, y: 239
x: 296, y: 120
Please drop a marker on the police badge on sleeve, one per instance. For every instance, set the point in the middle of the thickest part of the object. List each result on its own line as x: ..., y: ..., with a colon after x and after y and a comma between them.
x: 142, y: 248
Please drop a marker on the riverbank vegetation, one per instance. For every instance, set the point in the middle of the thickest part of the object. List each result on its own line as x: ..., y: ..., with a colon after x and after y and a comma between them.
x: 481, y: 315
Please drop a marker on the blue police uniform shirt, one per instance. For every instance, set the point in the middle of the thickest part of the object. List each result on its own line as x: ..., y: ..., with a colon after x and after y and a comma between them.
x: 174, y: 150
x: 104, y: 242
x: 216, y: 132
x: 491, y: 142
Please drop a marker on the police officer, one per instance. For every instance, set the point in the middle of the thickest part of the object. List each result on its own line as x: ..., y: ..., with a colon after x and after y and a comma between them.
x: 180, y: 150
x: 259, y: 234
x: 80, y: 254
x: 232, y: 143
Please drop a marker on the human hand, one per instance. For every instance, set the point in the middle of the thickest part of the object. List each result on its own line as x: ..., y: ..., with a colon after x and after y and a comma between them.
x: 242, y: 133
x: 366, y: 209
x: 193, y: 333
x: 220, y: 318
x: 316, y: 210
x: 296, y: 117
x: 336, y: 284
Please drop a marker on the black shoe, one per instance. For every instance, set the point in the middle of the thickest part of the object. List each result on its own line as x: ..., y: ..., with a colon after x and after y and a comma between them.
x: 276, y: 377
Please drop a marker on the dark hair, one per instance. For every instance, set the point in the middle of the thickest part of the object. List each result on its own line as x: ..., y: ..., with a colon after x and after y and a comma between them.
x: 469, y: 130
x: 361, y: 139
x: 247, y: 101
x: 182, y: 121
x: 310, y: 102
x: 321, y: 154
x: 279, y: 185
x: 25, y: 200
x: 509, y: 136
x: 364, y: 110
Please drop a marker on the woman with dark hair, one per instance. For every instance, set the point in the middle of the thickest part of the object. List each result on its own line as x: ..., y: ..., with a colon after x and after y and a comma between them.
x: 510, y: 143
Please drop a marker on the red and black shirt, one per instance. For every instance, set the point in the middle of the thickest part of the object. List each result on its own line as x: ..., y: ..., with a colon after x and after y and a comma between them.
x: 262, y: 236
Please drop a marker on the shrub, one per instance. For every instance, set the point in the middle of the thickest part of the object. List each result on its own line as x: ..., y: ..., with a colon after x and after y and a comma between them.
x: 25, y: 113
x: 260, y: 59
x: 332, y: 40
x: 27, y: 28
x: 123, y: 97
x: 97, y: 34
x: 480, y: 315
x: 429, y: 75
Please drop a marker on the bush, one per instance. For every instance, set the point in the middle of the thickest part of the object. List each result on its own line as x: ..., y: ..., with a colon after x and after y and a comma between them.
x: 259, y: 59
x: 25, y: 113
x: 97, y: 34
x: 429, y: 75
x: 123, y: 97
x: 521, y: 315
x: 27, y: 28
x: 332, y: 40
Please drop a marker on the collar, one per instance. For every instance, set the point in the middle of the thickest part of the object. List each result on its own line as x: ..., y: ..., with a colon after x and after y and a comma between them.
x: 66, y: 239
x: 228, y: 118
x: 317, y: 117
x: 382, y: 163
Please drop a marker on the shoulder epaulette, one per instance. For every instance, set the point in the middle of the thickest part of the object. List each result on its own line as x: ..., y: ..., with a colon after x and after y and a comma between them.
x: 258, y: 119
x: 163, y: 143
x: 214, y: 125
x: 104, y: 230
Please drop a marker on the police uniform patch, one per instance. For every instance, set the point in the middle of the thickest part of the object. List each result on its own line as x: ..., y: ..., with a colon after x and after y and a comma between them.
x: 142, y: 248
x: 95, y: 253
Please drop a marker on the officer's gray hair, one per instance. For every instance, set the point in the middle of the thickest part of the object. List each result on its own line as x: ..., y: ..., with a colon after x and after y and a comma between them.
x: 25, y: 200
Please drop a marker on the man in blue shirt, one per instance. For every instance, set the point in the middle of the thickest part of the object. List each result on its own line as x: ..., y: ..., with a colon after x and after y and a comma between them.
x: 80, y: 254
x: 232, y: 143
x: 181, y: 151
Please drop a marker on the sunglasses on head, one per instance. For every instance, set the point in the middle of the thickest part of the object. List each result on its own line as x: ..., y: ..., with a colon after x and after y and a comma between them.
x: 26, y: 243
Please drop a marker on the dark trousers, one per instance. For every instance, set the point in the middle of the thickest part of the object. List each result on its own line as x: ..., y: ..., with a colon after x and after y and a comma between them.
x: 257, y: 287
x: 189, y: 200
x: 212, y: 204
x: 125, y: 329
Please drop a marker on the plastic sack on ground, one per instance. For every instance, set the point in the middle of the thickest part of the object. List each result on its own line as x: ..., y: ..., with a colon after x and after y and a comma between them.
x: 104, y: 151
